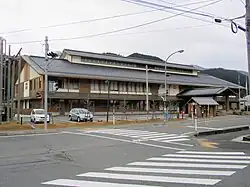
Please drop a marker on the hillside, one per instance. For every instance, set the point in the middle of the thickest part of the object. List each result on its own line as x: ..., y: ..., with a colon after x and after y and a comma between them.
x: 228, y: 75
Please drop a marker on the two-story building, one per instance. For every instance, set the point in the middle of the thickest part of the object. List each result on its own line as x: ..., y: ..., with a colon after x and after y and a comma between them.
x: 90, y: 80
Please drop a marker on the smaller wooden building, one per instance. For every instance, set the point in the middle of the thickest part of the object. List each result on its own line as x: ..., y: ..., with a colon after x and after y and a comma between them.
x: 202, y: 106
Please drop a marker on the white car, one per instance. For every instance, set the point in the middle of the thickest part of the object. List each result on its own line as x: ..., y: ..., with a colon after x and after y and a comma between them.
x: 38, y: 115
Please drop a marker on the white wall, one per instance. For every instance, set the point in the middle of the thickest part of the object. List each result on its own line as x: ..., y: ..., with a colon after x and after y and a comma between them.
x: 21, y: 77
x: 26, y: 89
x: 75, y: 59
x: 173, y: 90
x: 33, y: 73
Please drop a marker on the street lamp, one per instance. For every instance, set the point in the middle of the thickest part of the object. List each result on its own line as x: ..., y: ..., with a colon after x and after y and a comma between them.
x: 165, y: 98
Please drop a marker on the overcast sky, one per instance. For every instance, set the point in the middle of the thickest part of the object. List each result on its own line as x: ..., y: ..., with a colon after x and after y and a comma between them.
x: 205, y: 44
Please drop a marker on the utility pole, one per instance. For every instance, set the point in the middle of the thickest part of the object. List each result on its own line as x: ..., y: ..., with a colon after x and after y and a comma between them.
x: 46, y: 83
x: 147, y: 107
x: 165, y: 92
x: 19, y: 89
x: 9, y: 86
x: 248, y: 40
x: 1, y: 79
x: 108, y: 102
x: 13, y: 86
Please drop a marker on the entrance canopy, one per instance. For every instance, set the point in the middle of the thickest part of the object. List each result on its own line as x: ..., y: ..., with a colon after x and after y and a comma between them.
x: 204, y: 101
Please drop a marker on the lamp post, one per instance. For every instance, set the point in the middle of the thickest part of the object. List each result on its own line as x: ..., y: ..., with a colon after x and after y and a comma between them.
x: 108, y: 102
x: 47, y: 63
x: 165, y: 86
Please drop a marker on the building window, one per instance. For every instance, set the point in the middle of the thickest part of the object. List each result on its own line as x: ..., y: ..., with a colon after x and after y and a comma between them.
x: 34, y: 84
x: 31, y: 84
x: 114, y: 86
x: 74, y: 84
x: 60, y: 83
x: 133, y: 87
x: 129, y: 87
x: 40, y: 82
x: 141, y: 87
x: 26, y: 86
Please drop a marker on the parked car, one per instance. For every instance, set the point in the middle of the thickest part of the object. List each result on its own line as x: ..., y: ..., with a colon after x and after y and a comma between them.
x: 80, y: 114
x: 38, y: 115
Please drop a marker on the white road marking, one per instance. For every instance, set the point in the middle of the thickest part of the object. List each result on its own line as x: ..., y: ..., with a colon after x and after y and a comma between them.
x: 212, y: 153
x: 159, y: 135
x: 240, y: 139
x: 167, y: 138
x: 200, y: 127
x: 154, y: 136
x: 200, y: 160
x: 208, y: 156
x: 170, y: 164
x: 186, y: 133
x: 147, y: 135
x: 176, y: 140
x: 30, y: 135
x: 182, y: 144
x: 81, y: 183
x: 134, y: 133
x: 122, y: 140
x: 174, y: 171
x: 182, y: 180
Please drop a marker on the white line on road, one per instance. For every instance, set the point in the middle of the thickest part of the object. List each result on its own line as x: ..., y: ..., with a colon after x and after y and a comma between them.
x: 122, y: 140
x: 182, y: 144
x: 135, y: 133
x: 80, y: 183
x: 158, y: 135
x: 200, y: 160
x: 178, y: 164
x: 186, y: 133
x: 200, y: 127
x: 23, y: 135
x: 167, y: 138
x: 176, y: 140
x: 212, y: 153
x: 174, y: 171
x: 151, y: 178
x: 208, y: 156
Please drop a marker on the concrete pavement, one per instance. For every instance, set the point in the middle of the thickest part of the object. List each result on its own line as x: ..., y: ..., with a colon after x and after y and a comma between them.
x: 133, y: 156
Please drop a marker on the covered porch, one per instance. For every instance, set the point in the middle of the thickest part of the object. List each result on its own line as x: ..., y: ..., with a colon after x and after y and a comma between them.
x: 226, y: 98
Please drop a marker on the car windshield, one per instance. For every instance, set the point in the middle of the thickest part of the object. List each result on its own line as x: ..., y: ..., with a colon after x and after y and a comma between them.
x: 81, y: 111
x: 39, y: 111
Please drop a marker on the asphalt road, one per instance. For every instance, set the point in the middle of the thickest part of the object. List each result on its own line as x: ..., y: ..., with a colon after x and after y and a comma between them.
x: 133, y: 156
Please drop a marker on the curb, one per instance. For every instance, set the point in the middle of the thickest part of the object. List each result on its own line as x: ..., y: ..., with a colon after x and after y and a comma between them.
x: 11, y: 133
x: 246, y: 138
x: 222, y: 131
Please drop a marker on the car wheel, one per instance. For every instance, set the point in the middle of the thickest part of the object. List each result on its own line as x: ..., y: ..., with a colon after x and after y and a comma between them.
x: 78, y: 119
x: 91, y: 120
x: 70, y: 118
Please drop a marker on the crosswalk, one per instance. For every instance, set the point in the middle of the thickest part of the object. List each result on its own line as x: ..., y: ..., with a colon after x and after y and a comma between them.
x: 146, y: 135
x: 182, y: 167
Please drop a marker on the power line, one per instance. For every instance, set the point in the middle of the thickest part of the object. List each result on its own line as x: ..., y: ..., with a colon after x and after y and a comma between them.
x: 120, y: 30
x: 225, y: 19
x: 242, y: 2
x: 162, y: 30
x: 172, y: 8
x: 96, y: 19
x: 188, y: 8
x: 188, y: 16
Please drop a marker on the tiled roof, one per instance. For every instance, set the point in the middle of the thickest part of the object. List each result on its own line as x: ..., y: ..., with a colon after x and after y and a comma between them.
x: 203, y: 91
x: 126, y: 59
x: 64, y: 68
